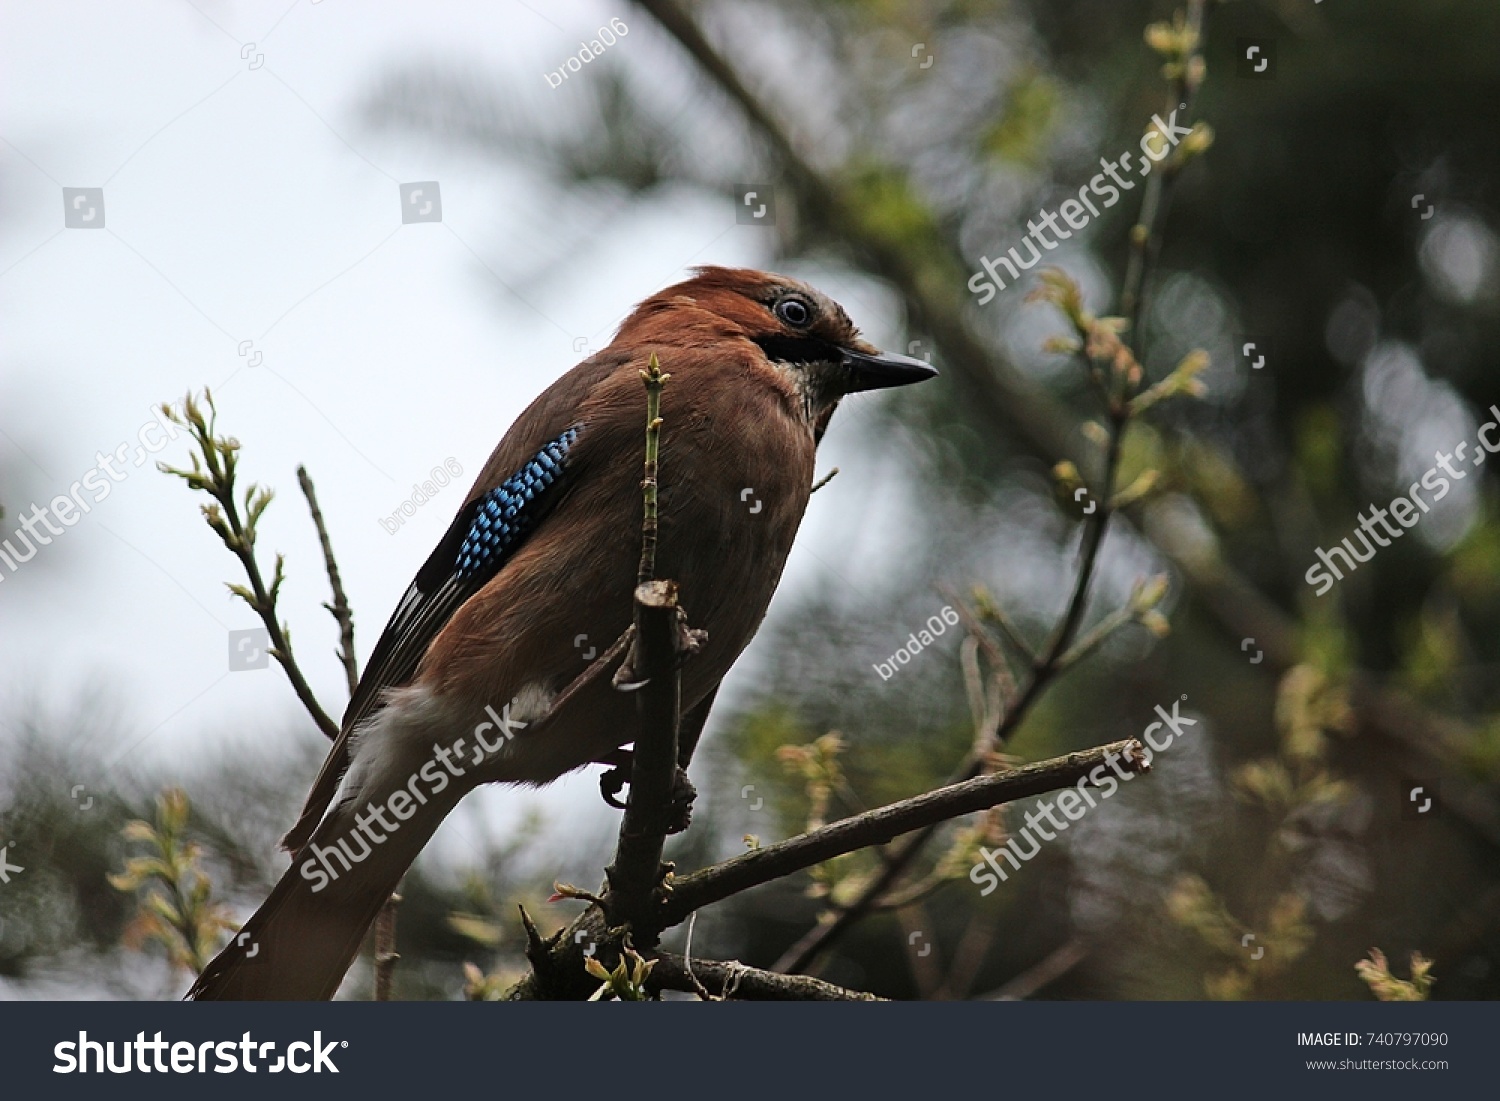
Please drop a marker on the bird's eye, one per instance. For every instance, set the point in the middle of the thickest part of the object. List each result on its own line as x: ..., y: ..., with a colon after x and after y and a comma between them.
x: 794, y: 312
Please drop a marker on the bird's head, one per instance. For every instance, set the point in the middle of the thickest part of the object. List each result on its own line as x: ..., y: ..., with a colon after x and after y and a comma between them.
x: 796, y: 328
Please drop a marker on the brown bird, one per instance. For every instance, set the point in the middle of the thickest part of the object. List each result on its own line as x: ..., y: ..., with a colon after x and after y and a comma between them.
x: 482, y: 674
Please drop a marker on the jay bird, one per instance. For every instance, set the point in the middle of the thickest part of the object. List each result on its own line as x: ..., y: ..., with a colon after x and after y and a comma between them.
x: 539, y: 564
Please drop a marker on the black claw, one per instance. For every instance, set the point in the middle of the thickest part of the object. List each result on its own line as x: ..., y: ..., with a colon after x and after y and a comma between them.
x: 612, y: 783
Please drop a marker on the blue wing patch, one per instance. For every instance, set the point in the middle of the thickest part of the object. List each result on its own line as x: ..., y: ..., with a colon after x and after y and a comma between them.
x: 505, y: 512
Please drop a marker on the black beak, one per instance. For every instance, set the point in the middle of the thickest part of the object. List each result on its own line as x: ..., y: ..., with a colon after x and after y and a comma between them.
x: 883, y: 369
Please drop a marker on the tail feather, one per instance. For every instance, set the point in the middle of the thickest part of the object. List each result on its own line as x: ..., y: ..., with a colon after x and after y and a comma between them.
x: 302, y: 940
x: 324, y: 790
x: 299, y: 945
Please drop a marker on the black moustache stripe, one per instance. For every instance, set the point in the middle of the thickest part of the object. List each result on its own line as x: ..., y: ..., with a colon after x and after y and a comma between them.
x: 798, y: 349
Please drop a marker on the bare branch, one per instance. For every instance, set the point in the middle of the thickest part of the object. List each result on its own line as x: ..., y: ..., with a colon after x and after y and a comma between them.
x: 636, y: 873
x: 339, y: 609
x: 655, y: 380
x: 558, y: 962
x: 733, y: 980
x: 876, y: 827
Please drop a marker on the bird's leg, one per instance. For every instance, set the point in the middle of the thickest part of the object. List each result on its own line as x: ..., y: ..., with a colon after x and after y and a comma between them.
x: 683, y: 791
x: 689, y: 731
x: 612, y: 782
x: 689, y: 641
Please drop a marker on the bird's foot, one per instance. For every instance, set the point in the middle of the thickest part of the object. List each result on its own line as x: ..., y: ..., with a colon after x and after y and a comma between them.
x: 680, y: 814
x: 684, y: 794
x: 612, y: 782
x: 690, y: 640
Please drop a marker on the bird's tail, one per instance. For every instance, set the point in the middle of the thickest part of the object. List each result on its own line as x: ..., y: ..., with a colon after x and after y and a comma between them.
x: 302, y: 940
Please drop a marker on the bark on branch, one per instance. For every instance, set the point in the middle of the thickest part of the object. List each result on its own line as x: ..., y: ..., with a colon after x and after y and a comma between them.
x: 635, y: 876
x: 731, y: 980
x: 883, y: 824
x: 558, y: 962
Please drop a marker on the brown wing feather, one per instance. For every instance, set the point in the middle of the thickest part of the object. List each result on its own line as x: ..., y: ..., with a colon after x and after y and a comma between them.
x: 434, y: 594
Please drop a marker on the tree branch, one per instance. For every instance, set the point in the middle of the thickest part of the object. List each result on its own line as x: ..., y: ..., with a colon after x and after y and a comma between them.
x: 655, y: 380
x: 558, y: 962
x: 339, y: 609
x: 733, y: 980
x: 804, y: 952
x: 751, y: 869
x: 636, y: 873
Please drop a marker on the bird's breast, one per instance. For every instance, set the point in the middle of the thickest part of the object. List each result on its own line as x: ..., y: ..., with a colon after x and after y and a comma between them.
x: 734, y: 475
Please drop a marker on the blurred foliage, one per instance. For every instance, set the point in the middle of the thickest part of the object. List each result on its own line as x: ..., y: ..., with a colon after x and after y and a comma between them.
x: 176, y: 910
x: 1385, y: 986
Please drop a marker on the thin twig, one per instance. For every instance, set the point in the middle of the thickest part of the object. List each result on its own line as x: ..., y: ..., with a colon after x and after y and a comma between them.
x: 386, y: 955
x: 731, y: 979
x: 823, y: 481
x: 1145, y: 240
x: 970, y: 954
x: 655, y: 380
x: 339, y: 609
x: 385, y: 948
x: 998, y: 661
x: 265, y: 607
x: 216, y: 477
x: 1042, y: 974
x: 687, y: 961
x: 1097, y: 636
